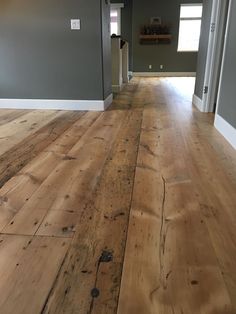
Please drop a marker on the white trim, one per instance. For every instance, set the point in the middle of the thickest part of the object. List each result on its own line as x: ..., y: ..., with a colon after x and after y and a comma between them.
x: 198, y: 103
x: 130, y: 73
x: 115, y: 6
x: 165, y: 74
x: 227, y: 130
x: 214, y: 54
x: 108, y: 101
x: 54, y: 104
x: 186, y: 51
x: 190, y: 4
x: 224, y: 53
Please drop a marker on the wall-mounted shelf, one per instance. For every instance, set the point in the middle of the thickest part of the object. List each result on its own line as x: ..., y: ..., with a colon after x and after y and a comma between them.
x: 152, y: 37
x: 155, y: 39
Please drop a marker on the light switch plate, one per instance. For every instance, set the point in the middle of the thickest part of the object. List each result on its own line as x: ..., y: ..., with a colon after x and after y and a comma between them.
x: 75, y: 24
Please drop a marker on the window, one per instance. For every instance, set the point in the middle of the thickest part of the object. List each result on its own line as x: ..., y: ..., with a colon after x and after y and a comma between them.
x: 116, y: 18
x: 115, y: 21
x: 189, y: 27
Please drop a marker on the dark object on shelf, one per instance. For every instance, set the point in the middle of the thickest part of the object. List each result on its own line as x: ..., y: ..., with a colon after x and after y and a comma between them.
x: 155, y: 34
x: 156, y: 20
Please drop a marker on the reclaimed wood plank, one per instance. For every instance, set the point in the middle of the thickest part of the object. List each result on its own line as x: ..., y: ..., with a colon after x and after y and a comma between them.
x: 70, y: 183
x: 218, y: 204
x: 94, y: 262
x: 15, y: 131
x: 14, y: 159
x: 9, y: 115
x: 18, y: 190
x: 59, y: 224
x: 215, y: 188
x: 169, y: 251
x: 28, y: 270
x: 68, y: 139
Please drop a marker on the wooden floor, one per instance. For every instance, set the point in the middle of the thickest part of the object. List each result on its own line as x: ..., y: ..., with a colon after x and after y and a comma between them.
x: 130, y: 211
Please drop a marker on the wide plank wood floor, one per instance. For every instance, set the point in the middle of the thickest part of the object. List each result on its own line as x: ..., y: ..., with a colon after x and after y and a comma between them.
x: 129, y: 211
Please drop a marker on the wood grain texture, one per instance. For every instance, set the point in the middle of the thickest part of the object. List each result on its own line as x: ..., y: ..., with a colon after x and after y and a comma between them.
x: 20, y: 154
x: 69, y: 184
x: 130, y: 211
x: 28, y: 268
x: 215, y: 188
x: 171, y: 265
x: 98, y: 261
x: 15, y: 131
x: 18, y: 190
x: 9, y: 115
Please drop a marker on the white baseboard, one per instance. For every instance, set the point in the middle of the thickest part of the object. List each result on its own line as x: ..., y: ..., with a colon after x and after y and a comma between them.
x: 108, y: 101
x: 130, y: 73
x: 226, y: 129
x: 54, y: 104
x: 198, y: 103
x: 165, y: 74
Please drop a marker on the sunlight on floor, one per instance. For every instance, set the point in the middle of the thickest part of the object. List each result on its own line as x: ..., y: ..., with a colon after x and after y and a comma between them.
x: 184, y: 85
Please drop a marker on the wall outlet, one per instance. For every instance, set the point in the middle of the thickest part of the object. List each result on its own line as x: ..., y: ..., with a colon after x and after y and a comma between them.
x: 75, y: 24
x: 150, y: 66
x: 161, y: 66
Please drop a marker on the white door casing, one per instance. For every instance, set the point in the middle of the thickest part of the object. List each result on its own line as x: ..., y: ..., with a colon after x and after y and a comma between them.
x: 214, y: 54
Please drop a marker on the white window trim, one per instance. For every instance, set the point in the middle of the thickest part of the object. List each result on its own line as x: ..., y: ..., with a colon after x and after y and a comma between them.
x: 188, y: 19
x: 190, y: 4
x: 118, y: 7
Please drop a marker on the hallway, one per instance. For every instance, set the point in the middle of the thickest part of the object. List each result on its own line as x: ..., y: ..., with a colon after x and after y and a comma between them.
x: 131, y: 210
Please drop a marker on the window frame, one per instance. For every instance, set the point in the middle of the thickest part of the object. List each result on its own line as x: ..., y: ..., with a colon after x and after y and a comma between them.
x: 188, y: 19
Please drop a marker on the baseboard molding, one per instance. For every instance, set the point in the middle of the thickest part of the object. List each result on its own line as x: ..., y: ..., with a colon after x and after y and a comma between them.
x: 54, y: 104
x: 227, y: 130
x: 198, y: 103
x: 165, y: 74
x: 108, y: 101
x: 130, y: 73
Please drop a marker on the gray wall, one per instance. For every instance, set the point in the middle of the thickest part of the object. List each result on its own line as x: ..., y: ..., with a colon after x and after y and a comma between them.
x: 203, y: 46
x: 40, y: 57
x: 167, y: 55
x: 106, y: 45
x: 227, y: 96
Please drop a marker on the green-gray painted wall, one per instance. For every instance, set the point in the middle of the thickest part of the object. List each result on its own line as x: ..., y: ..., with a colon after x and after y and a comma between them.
x: 41, y: 58
x: 167, y: 55
x: 106, y: 49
